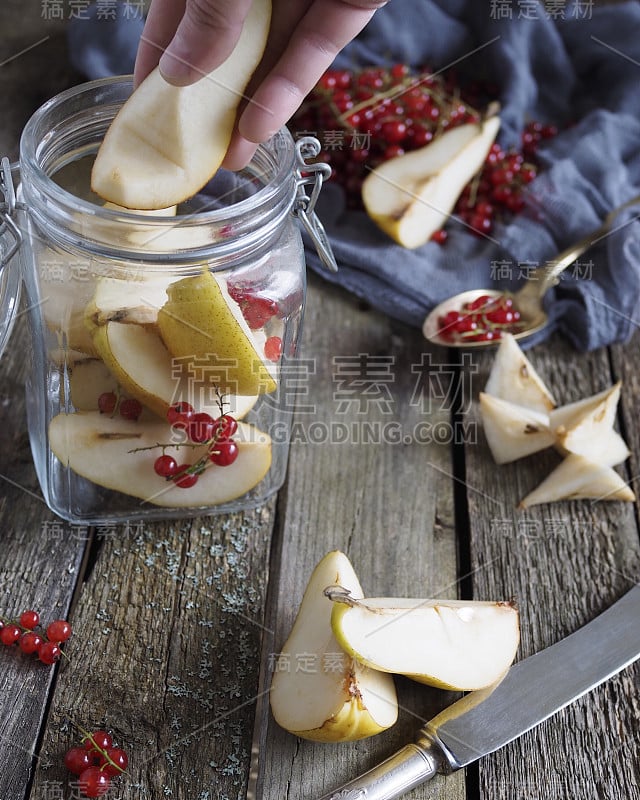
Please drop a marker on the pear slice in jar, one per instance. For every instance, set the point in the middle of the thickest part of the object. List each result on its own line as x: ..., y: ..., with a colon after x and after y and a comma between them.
x: 141, y: 364
x: 119, y: 455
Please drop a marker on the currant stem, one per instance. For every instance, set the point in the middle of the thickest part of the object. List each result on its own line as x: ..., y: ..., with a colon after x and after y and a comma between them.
x: 86, y: 735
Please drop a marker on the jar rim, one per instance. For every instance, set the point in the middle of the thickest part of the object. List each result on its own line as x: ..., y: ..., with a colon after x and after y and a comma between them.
x: 273, y: 163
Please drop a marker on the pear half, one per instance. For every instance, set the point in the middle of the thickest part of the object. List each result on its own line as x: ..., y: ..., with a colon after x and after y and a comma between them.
x: 577, y: 478
x: 453, y: 644
x: 99, y: 448
x: 513, y: 431
x: 514, y: 378
x: 200, y: 320
x: 333, y: 697
x: 142, y: 365
x: 411, y: 196
x: 167, y: 141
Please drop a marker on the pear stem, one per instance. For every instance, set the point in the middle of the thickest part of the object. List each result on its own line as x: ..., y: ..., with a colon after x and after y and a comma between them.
x: 338, y: 594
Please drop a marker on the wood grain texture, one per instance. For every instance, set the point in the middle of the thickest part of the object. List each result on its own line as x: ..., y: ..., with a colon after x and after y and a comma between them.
x: 389, y: 506
x: 564, y: 563
x: 40, y: 564
x: 166, y: 656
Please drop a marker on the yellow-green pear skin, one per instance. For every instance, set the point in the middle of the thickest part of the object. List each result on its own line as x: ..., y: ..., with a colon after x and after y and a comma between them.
x: 201, y: 321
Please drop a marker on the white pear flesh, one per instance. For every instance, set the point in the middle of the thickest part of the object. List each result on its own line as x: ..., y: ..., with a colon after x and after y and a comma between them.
x: 461, y: 645
x: 128, y: 301
x: 411, y: 196
x: 87, y: 381
x: 99, y: 448
x: 512, y: 431
x: 138, y: 359
x: 577, y: 478
x: 166, y: 142
x: 514, y: 378
x: 333, y: 698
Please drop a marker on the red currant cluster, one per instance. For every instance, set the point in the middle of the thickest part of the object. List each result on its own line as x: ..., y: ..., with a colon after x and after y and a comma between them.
x: 258, y: 310
x: 497, y: 189
x: 95, y: 763
x: 127, y: 407
x: 382, y: 113
x: 200, y: 428
x: 484, y: 319
x: 46, y: 645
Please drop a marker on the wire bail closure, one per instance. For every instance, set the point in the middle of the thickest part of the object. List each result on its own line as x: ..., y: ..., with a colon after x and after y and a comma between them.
x: 312, y: 175
x: 7, y: 208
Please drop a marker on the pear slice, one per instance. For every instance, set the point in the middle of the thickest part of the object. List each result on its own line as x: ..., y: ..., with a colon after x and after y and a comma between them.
x: 453, y: 644
x: 142, y: 365
x: 128, y: 301
x: 170, y: 211
x: 333, y: 697
x: 99, y: 448
x: 513, y: 431
x: 411, y: 196
x: 167, y: 141
x: 201, y: 321
x: 599, y: 409
x: 577, y: 478
x: 87, y: 381
x: 513, y: 378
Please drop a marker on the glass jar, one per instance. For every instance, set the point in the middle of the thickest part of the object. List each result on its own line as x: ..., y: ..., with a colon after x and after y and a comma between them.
x: 162, y: 342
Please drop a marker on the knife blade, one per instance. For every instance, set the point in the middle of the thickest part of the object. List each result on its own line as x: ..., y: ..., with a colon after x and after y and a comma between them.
x: 532, y: 690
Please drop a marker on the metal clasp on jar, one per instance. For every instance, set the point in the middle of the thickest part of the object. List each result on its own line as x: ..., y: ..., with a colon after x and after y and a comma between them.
x: 7, y: 208
x: 312, y: 175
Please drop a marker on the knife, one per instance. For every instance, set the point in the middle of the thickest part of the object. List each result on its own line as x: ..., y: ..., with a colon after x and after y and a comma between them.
x: 532, y: 691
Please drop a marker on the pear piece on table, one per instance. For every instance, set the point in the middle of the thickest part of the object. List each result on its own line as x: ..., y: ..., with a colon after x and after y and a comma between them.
x: 453, y: 644
x: 586, y: 428
x: 513, y: 431
x: 333, y: 697
x: 577, y: 478
x: 200, y: 320
x: 167, y: 141
x: 100, y: 448
x: 139, y: 361
x: 411, y: 196
x: 514, y: 378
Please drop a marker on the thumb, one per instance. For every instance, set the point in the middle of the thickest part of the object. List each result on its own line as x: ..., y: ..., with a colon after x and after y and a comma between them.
x: 205, y: 36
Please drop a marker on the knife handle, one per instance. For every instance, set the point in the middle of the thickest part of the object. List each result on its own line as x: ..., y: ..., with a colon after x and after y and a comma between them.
x: 409, y: 767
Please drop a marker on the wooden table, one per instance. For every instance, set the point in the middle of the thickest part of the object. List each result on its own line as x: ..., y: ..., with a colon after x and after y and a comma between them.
x: 176, y: 624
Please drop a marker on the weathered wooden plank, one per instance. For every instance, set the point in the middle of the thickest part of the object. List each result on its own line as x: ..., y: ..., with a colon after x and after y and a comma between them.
x: 166, y: 656
x: 564, y: 563
x: 388, y: 505
x: 40, y: 565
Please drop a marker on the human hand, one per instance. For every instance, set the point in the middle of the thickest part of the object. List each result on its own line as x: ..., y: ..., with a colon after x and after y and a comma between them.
x: 190, y: 38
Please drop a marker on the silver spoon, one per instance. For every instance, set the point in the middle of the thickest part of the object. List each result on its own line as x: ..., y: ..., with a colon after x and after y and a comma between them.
x: 527, y: 300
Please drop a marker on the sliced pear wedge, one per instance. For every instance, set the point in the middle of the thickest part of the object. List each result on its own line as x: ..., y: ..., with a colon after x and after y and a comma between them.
x: 87, y: 381
x: 139, y: 361
x: 333, y: 697
x: 577, y: 478
x: 514, y: 378
x: 411, y: 196
x: 101, y: 449
x: 167, y: 141
x: 128, y: 301
x: 200, y: 320
x: 513, y: 431
x: 452, y: 644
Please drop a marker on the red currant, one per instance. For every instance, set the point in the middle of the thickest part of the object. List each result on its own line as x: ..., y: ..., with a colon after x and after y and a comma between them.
x: 165, y: 466
x: 184, y: 479
x: 224, y: 453
x: 10, y: 634
x: 273, y: 348
x: 59, y: 631
x: 107, y: 402
x: 118, y: 757
x: 99, y: 740
x: 93, y: 782
x: 225, y: 426
x: 77, y: 760
x: 49, y: 653
x: 30, y: 642
x: 200, y: 428
x: 440, y: 236
x: 130, y: 409
x: 29, y: 619
x: 178, y: 411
